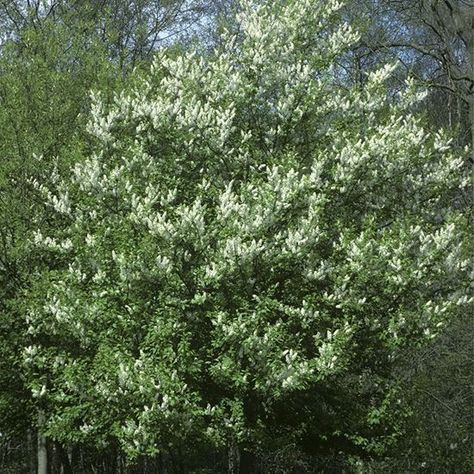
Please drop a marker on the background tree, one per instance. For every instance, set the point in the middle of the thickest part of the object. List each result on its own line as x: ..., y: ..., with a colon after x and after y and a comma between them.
x: 433, y: 40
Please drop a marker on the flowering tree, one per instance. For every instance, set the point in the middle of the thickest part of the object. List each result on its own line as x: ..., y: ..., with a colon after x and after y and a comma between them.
x: 250, y: 245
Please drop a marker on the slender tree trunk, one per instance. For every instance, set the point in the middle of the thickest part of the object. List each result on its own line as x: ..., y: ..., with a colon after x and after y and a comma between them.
x: 450, y: 102
x: 471, y: 119
x: 233, y: 459
x: 42, y: 446
x: 470, y: 58
x: 81, y: 459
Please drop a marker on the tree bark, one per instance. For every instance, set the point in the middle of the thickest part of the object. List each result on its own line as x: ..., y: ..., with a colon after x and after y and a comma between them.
x: 471, y: 118
x: 42, y: 446
x: 233, y: 459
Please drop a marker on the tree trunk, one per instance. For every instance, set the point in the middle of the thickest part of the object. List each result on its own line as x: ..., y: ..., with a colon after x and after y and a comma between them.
x: 471, y: 119
x: 42, y: 446
x: 233, y: 459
